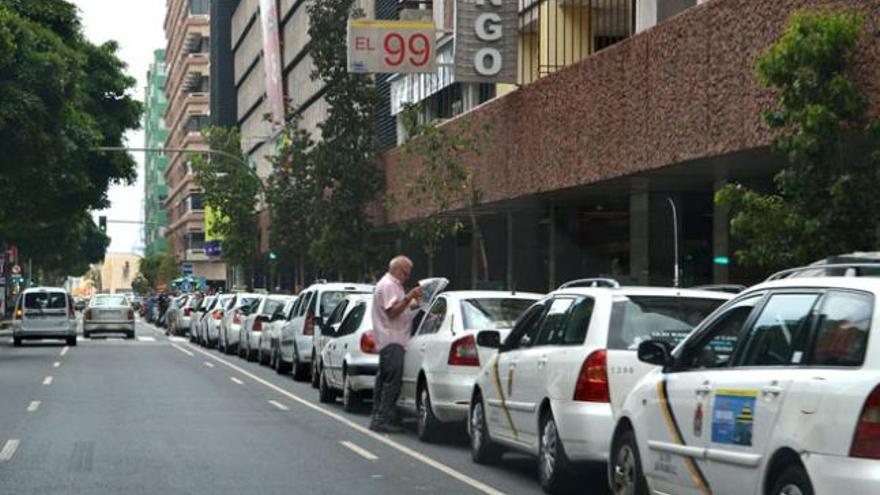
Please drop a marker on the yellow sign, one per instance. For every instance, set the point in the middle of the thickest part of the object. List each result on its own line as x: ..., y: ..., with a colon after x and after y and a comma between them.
x: 211, y: 218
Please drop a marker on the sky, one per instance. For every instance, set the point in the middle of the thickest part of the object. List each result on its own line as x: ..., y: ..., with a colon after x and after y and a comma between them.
x: 137, y: 25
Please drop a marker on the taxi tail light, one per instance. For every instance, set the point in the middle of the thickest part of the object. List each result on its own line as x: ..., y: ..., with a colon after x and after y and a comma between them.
x: 309, y: 326
x: 258, y: 325
x: 217, y: 315
x: 592, y: 383
x: 87, y: 315
x: 368, y: 342
x: 236, y: 318
x: 866, y: 442
x: 463, y: 352
x: 71, y: 311
x: 187, y: 311
x: 130, y: 314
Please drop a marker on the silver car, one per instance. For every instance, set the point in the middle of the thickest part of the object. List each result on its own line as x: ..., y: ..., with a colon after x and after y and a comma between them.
x: 253, y: 326
x: 44, y: 313
x: 108, y: 313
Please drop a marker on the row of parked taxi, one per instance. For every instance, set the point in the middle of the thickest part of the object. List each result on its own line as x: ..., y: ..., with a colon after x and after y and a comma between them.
x: 774, y: 390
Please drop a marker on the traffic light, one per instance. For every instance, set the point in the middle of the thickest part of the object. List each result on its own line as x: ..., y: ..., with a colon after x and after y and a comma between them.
x: 102, y: 224
x: 273, y: 256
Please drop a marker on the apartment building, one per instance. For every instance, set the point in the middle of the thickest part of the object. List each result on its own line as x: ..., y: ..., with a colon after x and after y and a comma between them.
x: 155, y: 163
x: 187, y: 86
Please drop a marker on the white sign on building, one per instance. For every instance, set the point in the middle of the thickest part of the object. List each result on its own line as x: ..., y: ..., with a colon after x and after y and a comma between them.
x: 486, y: 38
x: 376, y: 47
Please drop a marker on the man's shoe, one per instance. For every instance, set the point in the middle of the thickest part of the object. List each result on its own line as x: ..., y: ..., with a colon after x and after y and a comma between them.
x: 385, y: 428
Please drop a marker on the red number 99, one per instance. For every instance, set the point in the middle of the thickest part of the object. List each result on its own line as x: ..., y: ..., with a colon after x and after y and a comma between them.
x: 395, y: 47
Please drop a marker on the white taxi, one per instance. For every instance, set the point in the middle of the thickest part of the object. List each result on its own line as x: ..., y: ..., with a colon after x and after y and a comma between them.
x: 549, y: 390
x: 777, y: 393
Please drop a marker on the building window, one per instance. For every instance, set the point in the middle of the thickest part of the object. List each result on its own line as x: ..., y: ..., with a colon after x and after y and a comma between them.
x: 195, y: 240
x: 195, y: 123
x: 196, y: 202
x: 199, y: 7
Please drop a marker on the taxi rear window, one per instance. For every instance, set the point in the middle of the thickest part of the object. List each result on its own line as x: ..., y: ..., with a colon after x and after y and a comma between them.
x: 635, y: 319
x: 45, y: 300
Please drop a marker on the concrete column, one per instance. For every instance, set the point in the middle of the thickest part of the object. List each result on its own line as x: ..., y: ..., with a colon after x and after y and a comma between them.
x: 639, y: 234
x: 720, y: 236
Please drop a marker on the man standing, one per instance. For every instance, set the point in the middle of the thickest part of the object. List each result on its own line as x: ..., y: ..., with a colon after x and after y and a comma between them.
x: 392, y: 316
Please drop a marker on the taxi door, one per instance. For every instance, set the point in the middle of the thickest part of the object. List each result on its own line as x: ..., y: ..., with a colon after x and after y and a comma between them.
x: 501, y: 405
x: 417, y: 350
x: 678, y: 416
x: 746, y: 398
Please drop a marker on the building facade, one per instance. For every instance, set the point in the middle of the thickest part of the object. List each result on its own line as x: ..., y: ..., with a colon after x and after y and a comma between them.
x: 155, y: 135
x: 187, y: 86
x: 118, y: 272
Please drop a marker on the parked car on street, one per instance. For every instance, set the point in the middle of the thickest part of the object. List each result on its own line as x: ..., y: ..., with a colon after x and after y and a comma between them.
x: 240, y: 306
x: 777, y: 393
x: 109, y: 314
x: 214, y: 320
x: 268, y: 354
x: 443, y: 359
x: 550, y: 389
x: 314, y: 305
x: 44, y: 313
x: 331, y: 324
x: 350, y: 359
x: 197, y: 324
x: 268, y: 310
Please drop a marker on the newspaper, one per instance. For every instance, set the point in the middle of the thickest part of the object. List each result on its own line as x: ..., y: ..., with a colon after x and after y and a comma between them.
x: 430, y: 288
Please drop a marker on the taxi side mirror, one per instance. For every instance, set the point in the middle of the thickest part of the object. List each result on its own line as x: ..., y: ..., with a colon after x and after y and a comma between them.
x: 489, y: 338
x: 656, y: 352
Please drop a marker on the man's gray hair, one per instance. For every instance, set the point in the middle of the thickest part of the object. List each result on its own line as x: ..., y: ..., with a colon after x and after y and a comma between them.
x: 398, y: 261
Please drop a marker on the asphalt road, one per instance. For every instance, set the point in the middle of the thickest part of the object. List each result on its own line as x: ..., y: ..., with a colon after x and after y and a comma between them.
x: 162, y: 416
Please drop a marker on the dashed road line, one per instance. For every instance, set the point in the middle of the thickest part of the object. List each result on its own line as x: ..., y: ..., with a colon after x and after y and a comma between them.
x: 366, y: 454
x: 64, y: 351
x: 178, y: 339
x: 34, y: 405
x: 236, y: 380
x: 8, y: 450
x: 209, y: 365
x: 56, y: 364
x: 279, y: 405
x: 181, y: 349
x: 146, y: 339
x: 414, y: 454
x: 47, y: 380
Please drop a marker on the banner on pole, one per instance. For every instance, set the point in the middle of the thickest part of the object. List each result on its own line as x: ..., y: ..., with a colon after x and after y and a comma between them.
x: 401, y: 47
x: 486, y: 38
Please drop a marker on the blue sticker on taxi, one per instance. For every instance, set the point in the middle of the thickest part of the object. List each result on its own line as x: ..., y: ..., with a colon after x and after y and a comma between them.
x: 733, y: 417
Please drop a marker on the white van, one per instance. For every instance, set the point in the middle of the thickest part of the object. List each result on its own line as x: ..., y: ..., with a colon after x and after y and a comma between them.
x: 44, y: 313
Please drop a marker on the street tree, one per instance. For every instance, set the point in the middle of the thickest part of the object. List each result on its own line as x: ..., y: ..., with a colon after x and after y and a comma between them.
x: 443, y: 182
x: 61, y: 96
x: 824, y: 201
x: 231, y: 190
x: 292, y: 197
x: 158, y: 269
x: 347, y: 175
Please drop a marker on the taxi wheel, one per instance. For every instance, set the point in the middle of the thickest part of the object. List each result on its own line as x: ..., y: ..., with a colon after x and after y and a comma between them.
x: 16, y: 341
x: 626, y: 472
x: 483, y: 450
x: 552, y: 461
x: 316, y: 372
x: 428, y: 425
x: 325, y: 394
x: 300, y: 371
x: 281, y: 367
x: 793, y: 481
x: 351, y: 401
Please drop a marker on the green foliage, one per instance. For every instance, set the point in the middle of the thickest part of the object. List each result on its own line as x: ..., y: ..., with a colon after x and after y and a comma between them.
x: 230, y: 190
x: 825, y: 202
x: 346, y: 174
x: 292, y: 195
x: 60, y: 97
x: 158, y: 269
x: 443, y: 182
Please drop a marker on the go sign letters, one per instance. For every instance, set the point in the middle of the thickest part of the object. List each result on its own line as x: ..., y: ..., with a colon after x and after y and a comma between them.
x: 391, y: 47
x: 486, y: 41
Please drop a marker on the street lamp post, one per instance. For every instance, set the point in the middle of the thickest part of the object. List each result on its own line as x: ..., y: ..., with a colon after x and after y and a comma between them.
x: 675, y: 279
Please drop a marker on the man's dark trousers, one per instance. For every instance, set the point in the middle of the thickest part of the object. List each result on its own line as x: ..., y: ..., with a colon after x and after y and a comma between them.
x: 388, y: 382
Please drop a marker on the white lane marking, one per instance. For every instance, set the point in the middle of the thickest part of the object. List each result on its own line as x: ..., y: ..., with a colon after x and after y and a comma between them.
x: 64, y: 351
x: 146, y: 339
x: 366, y: 454
x: 56, y: 364
x: 34, y: 405
x: 236, y: 380
x: 8, y: 450
x: 80, y: 339
x: 47, y: 380
x: 181, y: 349
x: 178, y: 339
x: 443, y: 468
x: 209, y: 365
x: 279, y: 405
